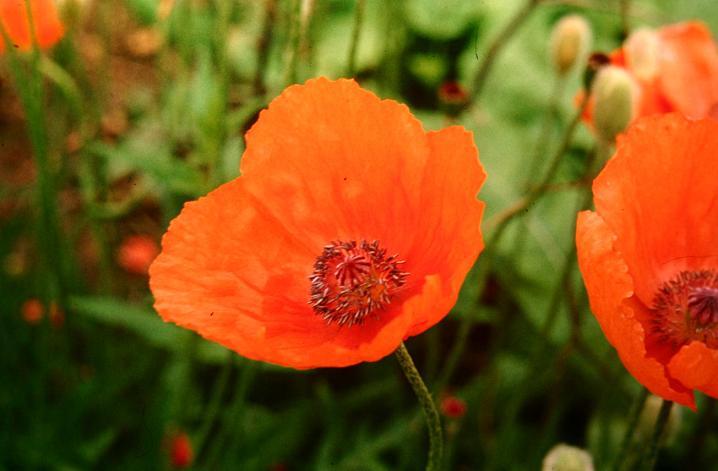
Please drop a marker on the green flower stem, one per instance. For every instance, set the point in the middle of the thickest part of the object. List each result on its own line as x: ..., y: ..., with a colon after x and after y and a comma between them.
x: 295, y: 41
x: 433, y: 423
x: 356, y: 31
x: 649, y: 461
x: 30, y: 90
x: 630, y: 429
x: 263, y: 42
x: 498, y: 43
x: 212, y: 410
x: 501, y: 222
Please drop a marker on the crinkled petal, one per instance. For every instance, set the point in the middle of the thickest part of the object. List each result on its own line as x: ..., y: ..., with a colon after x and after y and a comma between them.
x: 329, y: 155
x: 696, y: 366
x: 659, y: 194
x: 448, y: 236
x: 610, y: 288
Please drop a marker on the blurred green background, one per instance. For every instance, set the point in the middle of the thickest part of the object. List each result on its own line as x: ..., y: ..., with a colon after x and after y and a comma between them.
x: 145, y: 104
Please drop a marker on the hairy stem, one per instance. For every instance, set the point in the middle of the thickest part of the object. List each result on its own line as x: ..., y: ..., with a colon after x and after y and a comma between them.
x: 433, y: 423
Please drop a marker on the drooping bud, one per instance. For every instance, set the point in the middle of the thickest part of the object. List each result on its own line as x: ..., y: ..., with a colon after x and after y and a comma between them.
x: 642, y: 51
x: 570, y: 41
x: 649, y: 414
x: 564, y: 457
x: 615, y: 98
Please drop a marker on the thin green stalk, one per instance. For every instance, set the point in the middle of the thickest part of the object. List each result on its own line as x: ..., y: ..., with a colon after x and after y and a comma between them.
x: 501, y: 222
x: 625, y: 14
x: 498, y: 43
x: 630, y: 429
x: 263, y: 42
x: 212, y: 410
x: 356, y: 31
x: 294, y: 41
x: 433, y: 423
x: 232, y: 426
x: 30, y: 90
x: 649, y: 461
x: 502, y: 219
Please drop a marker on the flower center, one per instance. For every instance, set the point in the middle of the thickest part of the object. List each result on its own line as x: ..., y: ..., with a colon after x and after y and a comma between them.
x: 686, y: 309
x: 352, y: 280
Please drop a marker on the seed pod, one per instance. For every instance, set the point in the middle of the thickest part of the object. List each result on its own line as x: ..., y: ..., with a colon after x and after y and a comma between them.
x: 564, y: 457
x: 615, y: 98
x: 570, y: 41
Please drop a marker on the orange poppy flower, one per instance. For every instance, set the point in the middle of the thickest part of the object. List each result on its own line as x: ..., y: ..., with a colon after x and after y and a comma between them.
x: 649, y: 254
x: 676, y: 68
x: 350, y: 229
x: 14, y: 19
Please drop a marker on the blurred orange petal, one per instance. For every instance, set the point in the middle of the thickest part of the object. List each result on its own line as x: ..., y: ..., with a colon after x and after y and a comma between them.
x: 15, y: 21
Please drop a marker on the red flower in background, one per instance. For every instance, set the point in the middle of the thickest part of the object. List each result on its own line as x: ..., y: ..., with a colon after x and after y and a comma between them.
x: 350, y: 229
x: 649, y: 254
x: 32, y: 311
x: 136, y: 254
x: 15, y: 22
x: 675, y: 67
x: 453, y: 407
x: 181, y: 453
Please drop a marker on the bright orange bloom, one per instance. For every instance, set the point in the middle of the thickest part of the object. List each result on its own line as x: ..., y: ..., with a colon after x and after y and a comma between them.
x: 676, y: 68
x: 649, y: 254
x: 136, y: 254
x: 350, y: 229
x: 14, y: 19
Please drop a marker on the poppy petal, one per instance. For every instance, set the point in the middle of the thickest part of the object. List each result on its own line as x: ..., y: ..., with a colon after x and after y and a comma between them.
x: 660, y: 193
x: 449, y: 236
x: 360, y: 153
x: 610, y: 287
x: 689, y: 68
x: 696, y: 366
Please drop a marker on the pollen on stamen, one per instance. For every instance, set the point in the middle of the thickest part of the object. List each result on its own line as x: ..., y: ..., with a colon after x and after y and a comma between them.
x: 686, y: 309
x: 353, y: 280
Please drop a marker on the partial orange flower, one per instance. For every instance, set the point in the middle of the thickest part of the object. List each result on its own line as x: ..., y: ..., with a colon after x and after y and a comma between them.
x: 676, y: 68
x: 350, y: 229
x: 649, y: 254
x: 136, y: 254
x: 15, y: 21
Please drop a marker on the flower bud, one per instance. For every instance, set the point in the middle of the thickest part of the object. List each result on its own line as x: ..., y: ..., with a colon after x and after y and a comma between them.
x: 570, y: 41
x: 649, y: 414
x: 615, y: 99
x: 642, y: 51
x: 564, y: 457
